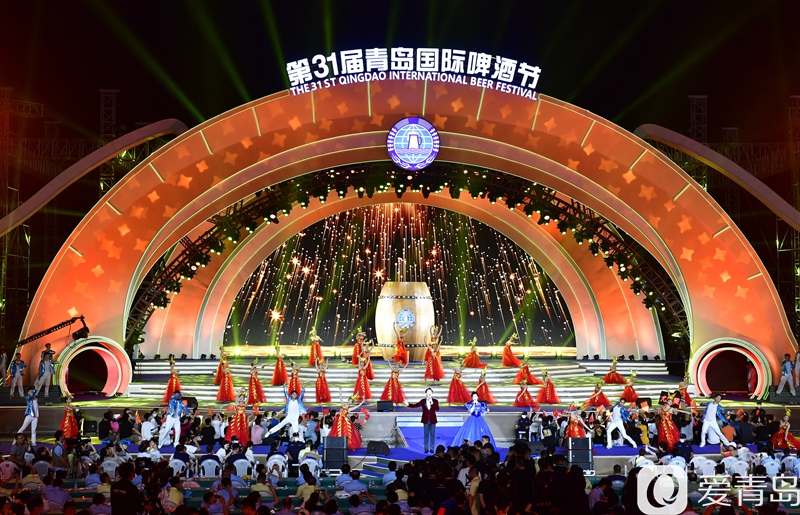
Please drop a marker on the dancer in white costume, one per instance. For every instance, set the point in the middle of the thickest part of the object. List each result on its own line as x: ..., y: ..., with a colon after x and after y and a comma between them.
x: 710, y: 425
x: 16, y: 372
x: 31, y: 414
x: 787, y: 369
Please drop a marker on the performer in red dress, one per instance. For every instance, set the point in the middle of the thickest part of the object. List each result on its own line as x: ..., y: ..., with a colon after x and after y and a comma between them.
x: 524, y: 399
x: 223, y: 359
x: 576, y: 428
x: 239, y: 426
x: 255, y: 393
x: 629, y: 394
x: 393, y: 391
x: 358, y: 346
x: 226, y: 392
x: 173, y: 383
x: 323, y: 392
x: 509, y: 359
x: 400, y: 351
x: 362, y: 390
x: 524, y: 375
x: 366, y: 353
x: 613, y: 377
x: 783, y: 439
x: 433, y: 358
x: 69, y: 424
x: 752, y: 378
x: 598, y: 398
x: 343, y: 426
x: 294, y: 380
x: 279, y: 376
x: 547, y: 393
x: 458, y: 393
x: 316, y: 348
x: 668, y: 432
x: 473, y: 359
x: 484, y: 395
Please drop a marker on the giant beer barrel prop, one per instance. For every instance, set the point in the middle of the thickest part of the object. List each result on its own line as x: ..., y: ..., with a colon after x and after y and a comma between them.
x: 411, y: 306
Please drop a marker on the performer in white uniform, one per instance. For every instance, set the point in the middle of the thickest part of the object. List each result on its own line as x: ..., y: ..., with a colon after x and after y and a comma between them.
x: 714, y: 411
x: 787, y: 367
x: 175, y: 410
x: 293, y: 409
x: 46, y: 370
x: 16, y: 372
x: 31, y: 414
x: 619, y: 415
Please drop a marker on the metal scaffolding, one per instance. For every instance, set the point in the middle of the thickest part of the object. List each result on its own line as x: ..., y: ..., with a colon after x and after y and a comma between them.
x: 698, y: 131
x: 108, y: 132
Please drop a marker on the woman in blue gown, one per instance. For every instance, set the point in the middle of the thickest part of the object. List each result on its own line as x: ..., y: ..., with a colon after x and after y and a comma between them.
x: 475, y: 426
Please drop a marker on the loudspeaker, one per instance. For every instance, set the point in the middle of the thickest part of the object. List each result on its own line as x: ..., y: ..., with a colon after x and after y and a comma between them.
x: 535, y: 447
x: 334, y: 452
x: 335, y: 442
x: 578, y: 444
x: 191, y: 402
x: 89, y: 427
x: 579, y: 456
x: 384, y: 406
x: 642, y: 402
x: 377, y: 447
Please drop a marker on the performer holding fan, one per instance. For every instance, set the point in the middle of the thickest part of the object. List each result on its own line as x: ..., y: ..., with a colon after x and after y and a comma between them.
x: 458, y: 393
x: 473, y: 359
x: 613, y: 377
x: 393, y: 391
x: 509, y: 359
x: 400, y: 351
x: 323, y: 392
x: 279, y: 376
x: 358, y: 346
x: 316, y: 348
x: 524, y: 375
x: 433, y: 357
x: 223, y: 360
x: 255, y: 393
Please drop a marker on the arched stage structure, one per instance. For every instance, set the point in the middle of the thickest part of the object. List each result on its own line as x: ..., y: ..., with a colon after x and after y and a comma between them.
x: 730, y: 301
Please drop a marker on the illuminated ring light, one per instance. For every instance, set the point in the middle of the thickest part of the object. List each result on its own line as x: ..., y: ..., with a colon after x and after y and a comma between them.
x: 705, y: 354
x: 114, y: 356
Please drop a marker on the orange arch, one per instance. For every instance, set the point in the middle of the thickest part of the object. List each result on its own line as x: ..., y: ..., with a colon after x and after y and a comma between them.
x: 726, y: 289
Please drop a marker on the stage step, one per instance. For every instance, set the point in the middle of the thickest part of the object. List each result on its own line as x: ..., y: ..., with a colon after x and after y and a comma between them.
x: 601, y: 367
x: 442, y: 421
x: 54, y: 398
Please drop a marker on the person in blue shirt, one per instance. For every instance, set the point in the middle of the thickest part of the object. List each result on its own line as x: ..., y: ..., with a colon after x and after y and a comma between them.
x: 92, y: 481
x: 344, y: 477
x: 357, y: 508
x: 31, y: 414
x: 710, y: 425
x: 175, y: 411
x: 390, y: 476
x: 787, y: 369
x: 215, y: 503
x: 47, y: 370
x: 16, y: 372
x: 227, y: 492
x: 55, y: 494
x: 99, y: 506
x: 355, y: 486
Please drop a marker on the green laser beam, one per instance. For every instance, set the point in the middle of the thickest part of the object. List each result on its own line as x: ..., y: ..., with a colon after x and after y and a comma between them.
x: 272, y: 29
x: 392, y: 28
x: 118, y: 27
x: 327, y: 25
x: 206, y: 24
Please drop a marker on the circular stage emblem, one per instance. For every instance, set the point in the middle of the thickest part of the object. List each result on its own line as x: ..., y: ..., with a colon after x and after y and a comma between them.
x: 405, y: 318
x: 413, y: 143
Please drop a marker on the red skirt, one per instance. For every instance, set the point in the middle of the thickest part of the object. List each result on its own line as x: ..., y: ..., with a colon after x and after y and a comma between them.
x: 279, y: 377
x: 68, y: 424
x: 400, y: 353
x: 294, y: 384
x: 686, y: 398
x: 484, y: 395
x: 226, y: 393
x: 613, y: 378
x: 239, y: 428
x: 316, y: 352
x: 524, y: 399
x: 547, y: 394
x: 459, y: 393
x: 509, y: 359
x: 629, y: 394
x: 323, y: 392
x: 473, y: 360
x: 362, y: 389
x: 343, y: 426
x: 220, y: 371
x: 668, y: 432
x: 525, y: 374
x: 574, y: 431
x: 370, y: 372
x: 393, y: 391
x: 598, y: 400
x: 357, y: 348
x: 791, y: 442
x: 434, y: 369
x: 172, y: 385
x: 255, y: 393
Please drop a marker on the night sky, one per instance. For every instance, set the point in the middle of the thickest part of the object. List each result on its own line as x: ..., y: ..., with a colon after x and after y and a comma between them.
x: 630, y: 62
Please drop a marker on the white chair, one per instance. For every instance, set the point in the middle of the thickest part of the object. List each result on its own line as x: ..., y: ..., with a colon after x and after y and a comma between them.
x: 678, y: 461
x: 242, y: 467
x: 697, y: 462
x: 110, y: 468
x: 209, y: 468
x: 7, y: 468
x: 54, y: 506
x: 177, y: 466
x: 32, y: 486
x: 728, y: 462
x: 773, y: 468
x: 280, y: 461
x: 43, y: 468
x: 313, y: 466
x: 617, y: 484
x: 788, y: 463
x: 645, y: 463
x: 666, y: 459
x: 707, y: 468
x: 741, y: 467
x: 745, y: 455
x: 169, y: 506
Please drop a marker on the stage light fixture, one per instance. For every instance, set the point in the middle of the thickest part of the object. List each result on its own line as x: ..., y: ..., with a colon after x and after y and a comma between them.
x: 609, y: 261
x: 213, y: 356
x: 528, y: 210
x: 562, y: 226
x: 657, y: 358
x: 645, y: 358
x: 157, y: 357
x: 585, y: 356
x: 594, y: 247
x: 183, y: 356
x: 596, y: 357
x: 621, y: 357
x: 632, y: 357
x: 202, y: 356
